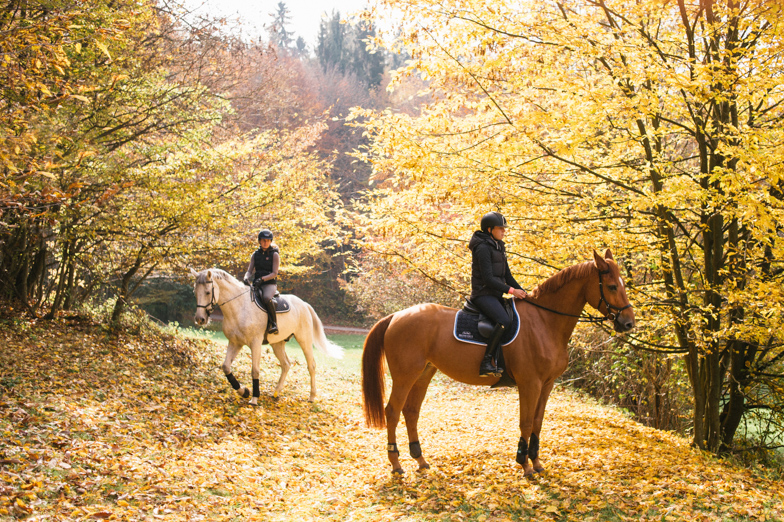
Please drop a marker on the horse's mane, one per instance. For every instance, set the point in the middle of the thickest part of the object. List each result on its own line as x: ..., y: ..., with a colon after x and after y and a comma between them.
x: 217, y: 273
x: 568, y: 274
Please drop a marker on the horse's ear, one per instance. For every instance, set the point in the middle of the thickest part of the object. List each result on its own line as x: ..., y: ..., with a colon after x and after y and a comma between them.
x: 601, y: 264
x: 209, y: 275
x: 194, y: 273
x: 608, y: 254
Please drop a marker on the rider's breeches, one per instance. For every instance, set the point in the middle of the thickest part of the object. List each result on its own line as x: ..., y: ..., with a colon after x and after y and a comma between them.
x: 493, y: 308
x: 268, y: 292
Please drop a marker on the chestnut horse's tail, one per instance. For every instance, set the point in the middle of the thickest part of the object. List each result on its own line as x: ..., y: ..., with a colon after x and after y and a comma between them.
x: 373, y: 374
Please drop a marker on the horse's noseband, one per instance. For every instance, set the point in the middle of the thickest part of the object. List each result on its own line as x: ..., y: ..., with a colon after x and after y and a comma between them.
x: 610, y: 314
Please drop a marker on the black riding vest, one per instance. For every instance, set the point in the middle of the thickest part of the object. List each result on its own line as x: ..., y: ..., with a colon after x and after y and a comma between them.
x: 483, y: 242
x: 262, y: 263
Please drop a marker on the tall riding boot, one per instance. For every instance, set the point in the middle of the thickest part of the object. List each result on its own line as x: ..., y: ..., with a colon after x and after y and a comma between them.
x: 488, y: 366
x: 272, y: 319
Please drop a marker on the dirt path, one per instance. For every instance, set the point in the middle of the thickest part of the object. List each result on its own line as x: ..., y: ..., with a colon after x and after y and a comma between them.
x: 345, y: 330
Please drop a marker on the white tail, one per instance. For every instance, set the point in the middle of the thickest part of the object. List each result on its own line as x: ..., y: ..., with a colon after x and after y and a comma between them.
x: 320, y: 338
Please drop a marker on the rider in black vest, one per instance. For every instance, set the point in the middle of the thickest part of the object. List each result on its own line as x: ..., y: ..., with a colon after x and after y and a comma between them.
x: 263, y: 268
x: 490, y: 280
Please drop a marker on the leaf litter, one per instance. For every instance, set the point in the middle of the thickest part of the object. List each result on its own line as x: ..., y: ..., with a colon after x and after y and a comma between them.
x: 146, y: 428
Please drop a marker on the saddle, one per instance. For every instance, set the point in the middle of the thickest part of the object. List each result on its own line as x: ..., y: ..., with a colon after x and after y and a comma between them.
x: 281, y: 305
x: 474, y: 327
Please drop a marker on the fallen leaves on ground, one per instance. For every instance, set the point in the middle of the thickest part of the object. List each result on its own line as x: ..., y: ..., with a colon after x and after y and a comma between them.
x: 147, y: 428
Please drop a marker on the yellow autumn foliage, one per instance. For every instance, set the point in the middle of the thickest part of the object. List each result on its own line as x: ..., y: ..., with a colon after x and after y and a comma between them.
x: 651, y: 128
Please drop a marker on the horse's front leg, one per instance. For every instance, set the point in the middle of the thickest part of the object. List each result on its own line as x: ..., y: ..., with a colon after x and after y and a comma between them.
x: 529, y: 392
x: 280, y: 352
x: 255, y: 357
x: 533, y: 444
x: 231, y: 352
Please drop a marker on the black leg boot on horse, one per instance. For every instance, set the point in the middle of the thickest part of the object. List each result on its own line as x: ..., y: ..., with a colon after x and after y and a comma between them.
x: 272, y: 318
x: 488, y: 365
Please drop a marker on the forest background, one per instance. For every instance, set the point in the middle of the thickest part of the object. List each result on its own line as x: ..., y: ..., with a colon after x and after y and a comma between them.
x: 137, y: 141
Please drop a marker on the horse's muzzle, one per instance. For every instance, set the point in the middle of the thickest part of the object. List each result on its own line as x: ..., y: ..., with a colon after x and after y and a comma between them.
x: 623, y: 324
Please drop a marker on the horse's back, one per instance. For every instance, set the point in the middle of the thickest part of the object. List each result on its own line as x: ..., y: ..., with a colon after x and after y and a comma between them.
x: 424, y: 313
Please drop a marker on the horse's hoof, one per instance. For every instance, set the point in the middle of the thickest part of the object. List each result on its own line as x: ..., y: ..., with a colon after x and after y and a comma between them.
x: 424, y: 467
x: 538, y: 470
x: 398, y: 472
x: 276, y: 397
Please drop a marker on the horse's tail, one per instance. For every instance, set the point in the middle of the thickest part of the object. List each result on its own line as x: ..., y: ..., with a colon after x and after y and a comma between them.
x: 320, y: 337
x: 373, y: 374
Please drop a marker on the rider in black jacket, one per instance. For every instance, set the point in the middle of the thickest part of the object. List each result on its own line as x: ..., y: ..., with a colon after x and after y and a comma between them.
x: 490, y: 280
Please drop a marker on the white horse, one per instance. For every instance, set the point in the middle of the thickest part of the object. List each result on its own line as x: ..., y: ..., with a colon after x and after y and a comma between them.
x: 244, y: 324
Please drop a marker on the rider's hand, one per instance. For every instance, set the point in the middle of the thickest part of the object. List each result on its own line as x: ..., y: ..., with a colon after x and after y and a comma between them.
x: 247, y: 283
x: 520, y: 294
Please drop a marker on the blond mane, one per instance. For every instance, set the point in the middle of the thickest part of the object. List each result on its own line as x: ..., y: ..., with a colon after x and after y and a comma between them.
x: 217, y: 273
x: 556, y: 282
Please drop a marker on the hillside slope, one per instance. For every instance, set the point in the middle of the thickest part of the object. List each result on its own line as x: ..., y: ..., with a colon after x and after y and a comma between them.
x: 146, y: 428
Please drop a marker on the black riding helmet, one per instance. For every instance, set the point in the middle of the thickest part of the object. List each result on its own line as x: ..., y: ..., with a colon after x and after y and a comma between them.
x: 265, y: 234
x: 492, y: 219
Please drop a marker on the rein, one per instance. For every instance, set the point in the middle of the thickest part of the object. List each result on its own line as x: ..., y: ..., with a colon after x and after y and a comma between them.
x: 209, y: 307
x: 590, y: 319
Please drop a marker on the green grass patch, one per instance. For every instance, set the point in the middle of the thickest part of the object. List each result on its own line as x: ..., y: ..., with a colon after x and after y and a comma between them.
x: 351, y: 343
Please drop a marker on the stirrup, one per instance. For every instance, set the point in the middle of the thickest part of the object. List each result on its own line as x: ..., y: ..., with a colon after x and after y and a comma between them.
x: 489, y: 368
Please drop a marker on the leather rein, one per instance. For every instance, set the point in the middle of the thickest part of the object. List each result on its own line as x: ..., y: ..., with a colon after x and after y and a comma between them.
x: 590, y: 319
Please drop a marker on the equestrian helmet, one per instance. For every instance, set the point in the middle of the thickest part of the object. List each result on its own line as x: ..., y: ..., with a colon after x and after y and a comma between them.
x: 265, y: 234
x: 492, y: 219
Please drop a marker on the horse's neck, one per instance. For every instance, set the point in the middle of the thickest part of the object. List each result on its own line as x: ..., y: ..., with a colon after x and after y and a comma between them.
x: 229, y: 291
x: 569, y: 300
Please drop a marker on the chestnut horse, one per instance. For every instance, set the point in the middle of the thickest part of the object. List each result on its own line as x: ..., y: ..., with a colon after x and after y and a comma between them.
x: 419, y: 340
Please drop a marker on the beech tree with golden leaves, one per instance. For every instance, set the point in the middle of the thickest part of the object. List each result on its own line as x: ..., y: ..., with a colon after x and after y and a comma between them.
x: 651, y: 127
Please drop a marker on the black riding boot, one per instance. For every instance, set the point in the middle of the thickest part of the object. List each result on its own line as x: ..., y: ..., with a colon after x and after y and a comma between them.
x: 272, y: 318
x: 488, y: 366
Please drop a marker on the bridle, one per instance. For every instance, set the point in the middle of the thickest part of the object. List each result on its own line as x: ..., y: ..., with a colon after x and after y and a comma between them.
x: 210, y: 307
x: 591, y: 319
x: 609, y: 315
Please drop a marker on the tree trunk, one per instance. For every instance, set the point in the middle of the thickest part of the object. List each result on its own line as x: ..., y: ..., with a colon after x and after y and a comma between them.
x: 123, y: 292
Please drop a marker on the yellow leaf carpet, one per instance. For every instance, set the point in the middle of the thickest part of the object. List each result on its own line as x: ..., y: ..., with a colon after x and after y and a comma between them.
x: 145, y: 427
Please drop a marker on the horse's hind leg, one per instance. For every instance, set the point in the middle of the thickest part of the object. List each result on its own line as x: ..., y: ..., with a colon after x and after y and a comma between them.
x: 305, y: 340
x: 280, y: 352
x: 411, y: 412
x: 231, y: 353
x: 401, y: 386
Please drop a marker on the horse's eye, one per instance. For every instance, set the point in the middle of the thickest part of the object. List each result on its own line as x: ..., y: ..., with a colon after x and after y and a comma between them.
x: 613, y: 288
